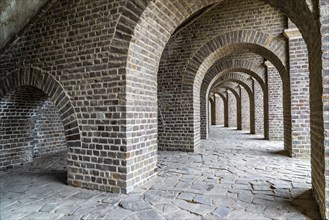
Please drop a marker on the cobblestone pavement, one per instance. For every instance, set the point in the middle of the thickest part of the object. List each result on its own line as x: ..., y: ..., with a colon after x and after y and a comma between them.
x: 234, y: 175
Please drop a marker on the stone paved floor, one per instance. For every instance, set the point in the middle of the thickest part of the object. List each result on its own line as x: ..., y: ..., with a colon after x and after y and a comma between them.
x: 234, y: 175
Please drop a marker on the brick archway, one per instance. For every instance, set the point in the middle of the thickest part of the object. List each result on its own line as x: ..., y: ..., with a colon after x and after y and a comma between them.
x: 233, y: 77
x: 227, y: 66
x: 229, y: 86
x: 261, y: 43
x: 233, y: 65
x: 247, y: 85
x: 156, y: 23
x: 53, y: 89
x: 223, y: 45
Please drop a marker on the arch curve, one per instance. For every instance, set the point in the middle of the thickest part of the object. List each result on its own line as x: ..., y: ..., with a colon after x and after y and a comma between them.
x: 51, y: 87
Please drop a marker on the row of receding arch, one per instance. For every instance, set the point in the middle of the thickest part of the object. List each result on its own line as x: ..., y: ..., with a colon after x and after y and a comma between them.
x: 207, y: 67
x: 300, y: 14
x: 232, y: 82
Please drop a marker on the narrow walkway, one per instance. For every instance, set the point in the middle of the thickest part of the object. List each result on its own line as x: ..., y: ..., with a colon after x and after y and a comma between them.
x: 234, y: 175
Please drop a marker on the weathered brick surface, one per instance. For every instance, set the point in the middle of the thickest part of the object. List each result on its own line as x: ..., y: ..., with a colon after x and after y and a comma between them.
x: 54, y: 91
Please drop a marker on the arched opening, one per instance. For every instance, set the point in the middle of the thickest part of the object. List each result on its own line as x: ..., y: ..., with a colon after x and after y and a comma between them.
x: 16, y: 88
x: 245, y: 94
x: 255, y: 74
x: 31, y: 127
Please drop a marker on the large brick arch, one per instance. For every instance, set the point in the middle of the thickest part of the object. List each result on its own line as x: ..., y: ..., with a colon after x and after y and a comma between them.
x: 261, y: 43
x: 234, y: 65
x: 51, y: 87
x: 147, y: 40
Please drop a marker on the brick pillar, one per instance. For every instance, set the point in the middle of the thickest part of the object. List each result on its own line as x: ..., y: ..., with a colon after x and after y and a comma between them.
x: 213, y: 110
x: 225, y: 103
x: 245, y: 105
x: 252, y: 108
x: 319, y: 96
x: 300, y: 107
x: 219, y: 110
x: 231, y: 101
x: 266, y: 128
x: 275, y: 102
x: 259, y: 108
x: 238, y: 110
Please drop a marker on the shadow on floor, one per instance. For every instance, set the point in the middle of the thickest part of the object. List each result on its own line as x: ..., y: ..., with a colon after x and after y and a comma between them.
x: 306, y: 204
x: 281, y: 153
x: 59, y: 176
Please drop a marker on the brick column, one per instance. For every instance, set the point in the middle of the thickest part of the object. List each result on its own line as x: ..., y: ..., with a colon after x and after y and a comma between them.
x: 259, y: 108
x: 252, y: 108
x: 219, y: 110
x: 319, y: 96
x: 239, y: 110
x: 225, y: 103
x: 245, y: 106
x: 213, y: 110
x: 266, y: 122
x: 300, y: 107
x: 232, y: 109
x: 275, y: 102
